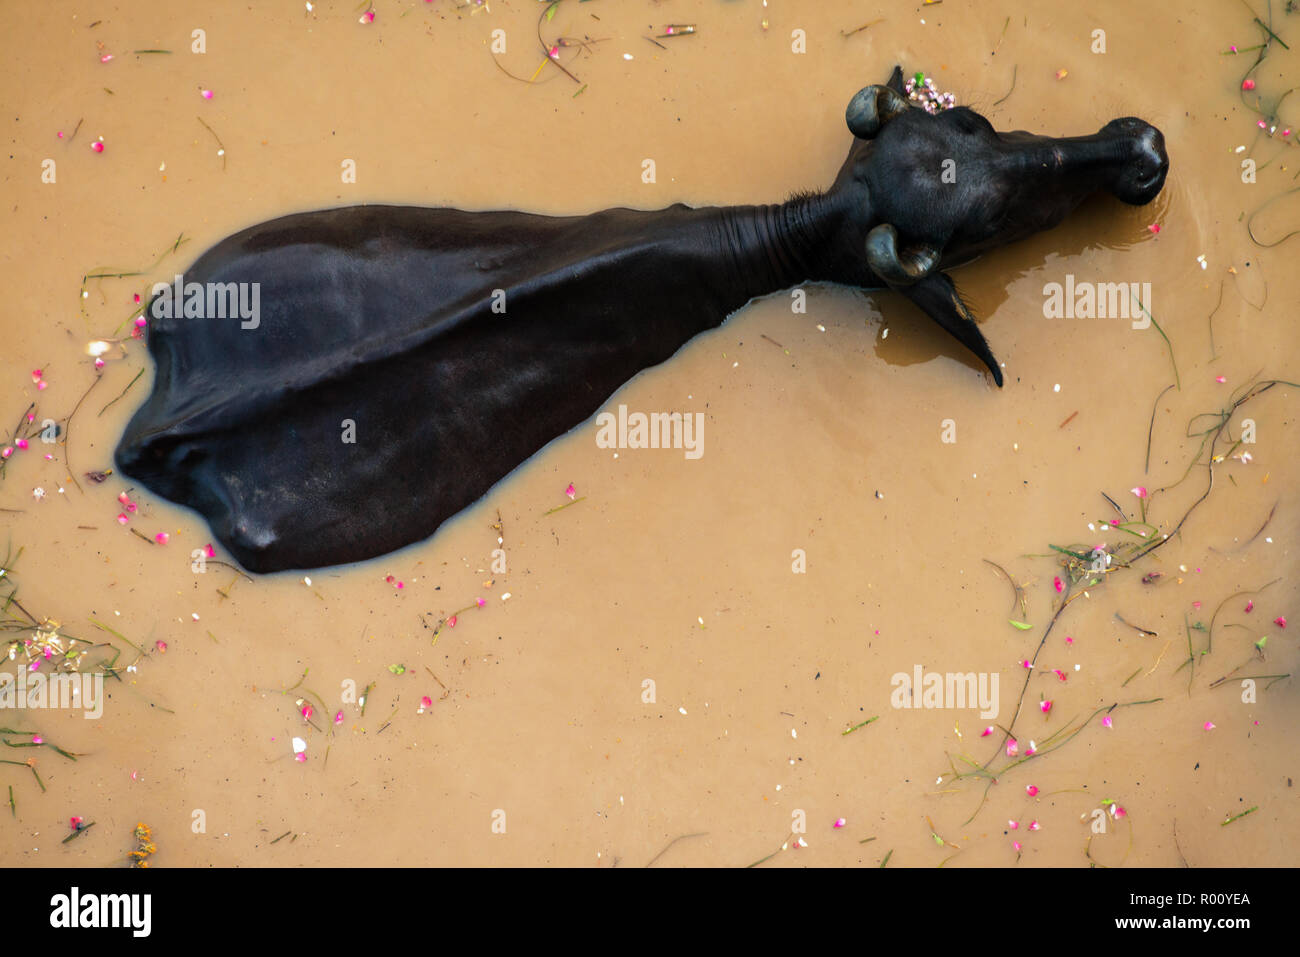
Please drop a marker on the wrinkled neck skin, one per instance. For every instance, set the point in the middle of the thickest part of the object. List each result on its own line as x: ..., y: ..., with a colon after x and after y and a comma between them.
x: 810, y: 238
x: 709, y: 261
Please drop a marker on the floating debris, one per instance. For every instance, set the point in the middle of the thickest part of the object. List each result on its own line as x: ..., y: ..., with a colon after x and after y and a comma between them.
x: 1238, y: 817
x: 855, y: 30
x: 861, y: 725
x: 79, y: 827
x: 921, y: 90
x: 144, y: 848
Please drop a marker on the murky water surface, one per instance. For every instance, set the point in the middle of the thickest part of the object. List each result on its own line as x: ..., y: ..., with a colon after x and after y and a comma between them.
x: 652, y: 662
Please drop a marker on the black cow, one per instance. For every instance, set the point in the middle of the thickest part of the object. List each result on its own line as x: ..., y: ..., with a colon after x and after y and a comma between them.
x: 383, y: 318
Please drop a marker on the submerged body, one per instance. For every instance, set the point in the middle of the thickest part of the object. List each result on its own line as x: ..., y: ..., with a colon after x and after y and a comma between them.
x: 376, y: 324
x: 404, y: 360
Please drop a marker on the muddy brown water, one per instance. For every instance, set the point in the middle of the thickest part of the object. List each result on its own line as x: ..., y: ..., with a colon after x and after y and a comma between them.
x: 823, y: 432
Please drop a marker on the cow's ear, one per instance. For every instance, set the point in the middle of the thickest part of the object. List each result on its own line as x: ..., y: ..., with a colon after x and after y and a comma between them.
x: 937, y: 297
x: 871, y: 108
x: 895, y: 81
x: 899, y: 268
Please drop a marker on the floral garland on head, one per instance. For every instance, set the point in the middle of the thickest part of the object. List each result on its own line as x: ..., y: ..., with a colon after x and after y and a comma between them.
x: 921, y: 90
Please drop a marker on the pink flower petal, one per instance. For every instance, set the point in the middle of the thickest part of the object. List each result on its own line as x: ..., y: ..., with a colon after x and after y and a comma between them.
x: 986, y: 732
x: 1058, y: 584
x: 1221, y: 379
x: 1032, y: 790
x: 161, y: 646
x: 206, y: 94
x: 1209, y: 726
x: 1154, y: 227
x: 1280, y: 621
x: 1013, y: 825
x: 1012, y: 748
x: 97, y: 146
x: 1016, y: 845
x: 1140, y: 491
x: 1107, y: 721
x: 839, y: 822
x: 338, y: 718
x: 1250, y: 605
x: 37, y: 739
x: 571, y: 491
x: 1035, y: 826
x: 162, y: 538
x: 1248, y: 84
x: 1045, y: 706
